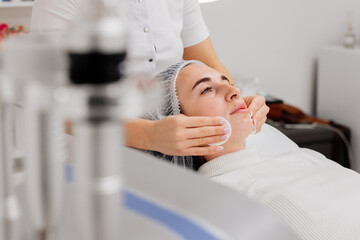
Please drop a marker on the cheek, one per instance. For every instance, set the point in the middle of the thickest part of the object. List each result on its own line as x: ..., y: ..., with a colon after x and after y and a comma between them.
x: 204, y: 107
x: 242, y: 126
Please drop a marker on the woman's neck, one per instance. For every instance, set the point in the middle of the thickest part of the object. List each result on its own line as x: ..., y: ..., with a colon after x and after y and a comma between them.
x: 228, y: 148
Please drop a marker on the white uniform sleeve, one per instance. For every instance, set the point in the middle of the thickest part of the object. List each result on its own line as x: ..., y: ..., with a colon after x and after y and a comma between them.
x: 194, y: 28
x: 53, y: 15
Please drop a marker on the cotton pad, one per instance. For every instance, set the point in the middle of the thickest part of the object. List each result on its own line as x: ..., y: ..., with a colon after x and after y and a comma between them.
x: 227, y: 125
x: 254, y: 125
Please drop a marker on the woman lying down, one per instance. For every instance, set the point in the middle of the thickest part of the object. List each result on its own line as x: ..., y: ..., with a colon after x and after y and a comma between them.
x: 318, y: 198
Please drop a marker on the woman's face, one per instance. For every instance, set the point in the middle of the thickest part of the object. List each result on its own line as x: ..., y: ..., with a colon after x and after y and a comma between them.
x: 202, y: 91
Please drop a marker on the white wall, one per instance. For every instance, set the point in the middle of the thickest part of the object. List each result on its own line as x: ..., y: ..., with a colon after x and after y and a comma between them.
x: 16, y: 16
x: 278, y: 40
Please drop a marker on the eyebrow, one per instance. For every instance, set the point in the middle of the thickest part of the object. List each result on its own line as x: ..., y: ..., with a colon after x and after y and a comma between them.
x: 225, y: 78
x: 207, y: 79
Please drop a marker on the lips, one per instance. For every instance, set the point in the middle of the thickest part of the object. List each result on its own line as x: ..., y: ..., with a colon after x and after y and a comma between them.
x: 240, y: 107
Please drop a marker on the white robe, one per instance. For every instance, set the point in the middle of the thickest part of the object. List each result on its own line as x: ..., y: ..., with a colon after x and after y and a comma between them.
x: 317, y: 197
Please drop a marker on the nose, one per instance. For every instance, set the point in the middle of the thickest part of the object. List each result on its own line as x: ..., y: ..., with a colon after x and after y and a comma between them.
x: 232, y: 93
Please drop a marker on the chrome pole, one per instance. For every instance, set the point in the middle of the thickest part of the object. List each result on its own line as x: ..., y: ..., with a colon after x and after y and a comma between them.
x: 40, y: 61
x: 97, y: 50
x: 97, y: 156
x: 10, y: 209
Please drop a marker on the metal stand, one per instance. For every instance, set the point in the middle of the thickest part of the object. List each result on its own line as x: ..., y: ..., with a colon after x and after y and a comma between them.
x: 9, y: 207
x: 35, y: 65
x: 96, y: 57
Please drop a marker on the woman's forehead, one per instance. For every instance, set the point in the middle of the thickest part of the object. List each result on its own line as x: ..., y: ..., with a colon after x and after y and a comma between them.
x: 194, y: 71
x: 195, y: 67
x: 190, y: 74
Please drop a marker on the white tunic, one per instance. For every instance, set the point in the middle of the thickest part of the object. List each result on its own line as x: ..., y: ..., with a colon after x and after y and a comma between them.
x: 317, y: 197
x: 160, y: 29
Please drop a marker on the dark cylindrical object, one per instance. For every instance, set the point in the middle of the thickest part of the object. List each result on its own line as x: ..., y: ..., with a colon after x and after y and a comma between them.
x: 95, y: 68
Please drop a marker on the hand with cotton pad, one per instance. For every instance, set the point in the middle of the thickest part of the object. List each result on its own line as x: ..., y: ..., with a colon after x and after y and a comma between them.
x: 258, y: 111
x: 228, y: 126
x: 181, y: 135
x: 227, y: 135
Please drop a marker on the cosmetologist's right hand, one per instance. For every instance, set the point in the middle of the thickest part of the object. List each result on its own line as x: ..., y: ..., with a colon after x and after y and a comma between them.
x: 180, y: 135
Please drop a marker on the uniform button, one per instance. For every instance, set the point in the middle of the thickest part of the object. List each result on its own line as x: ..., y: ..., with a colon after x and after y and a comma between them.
x: 150, y: 59
x: 146, y: 29
x: 140, y: 1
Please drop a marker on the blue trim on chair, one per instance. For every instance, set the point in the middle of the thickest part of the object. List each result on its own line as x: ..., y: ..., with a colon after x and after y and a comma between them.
x: 69, y: 173
x: 186, y: 228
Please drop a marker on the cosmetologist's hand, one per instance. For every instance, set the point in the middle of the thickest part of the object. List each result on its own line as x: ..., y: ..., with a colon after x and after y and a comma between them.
x: 180, y: 135
x: 257, y: 106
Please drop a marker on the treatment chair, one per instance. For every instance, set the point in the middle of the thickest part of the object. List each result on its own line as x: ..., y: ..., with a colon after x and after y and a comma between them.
x: 162, y: 201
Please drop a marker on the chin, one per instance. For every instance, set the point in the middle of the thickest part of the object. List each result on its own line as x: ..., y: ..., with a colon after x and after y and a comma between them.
x: 240, y: 134
x: 241, y: 123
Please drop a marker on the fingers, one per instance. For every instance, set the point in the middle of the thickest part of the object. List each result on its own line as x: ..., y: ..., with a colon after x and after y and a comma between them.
x: 202, y: 132
x: 203, y: 151
x: 205, y: 141
x: 255, y: 103
x: 248, y: 100
x: 259, y: 110
x: 259, y: 118
x: 258, y: 124
x: 204, y: 121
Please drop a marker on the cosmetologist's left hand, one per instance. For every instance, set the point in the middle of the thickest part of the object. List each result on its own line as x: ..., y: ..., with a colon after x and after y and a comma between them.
x: 257, y: 106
